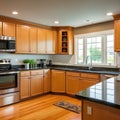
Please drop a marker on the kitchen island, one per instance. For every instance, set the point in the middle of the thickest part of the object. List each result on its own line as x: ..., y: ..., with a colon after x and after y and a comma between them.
x: 101, y: 101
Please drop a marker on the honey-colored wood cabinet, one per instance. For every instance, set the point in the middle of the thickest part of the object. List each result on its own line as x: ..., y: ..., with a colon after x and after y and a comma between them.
x: 76, y: 81
x: 46, y: 42
x: 36, y: 87
x: 0, y: 28
x: 88, y: 79
x: 31, y: 83
x: 33, y: 40
x: 22, y: 39
x: 72, y: 82
x: 108, y: 113
x: 58, y: 81
x: 46, y: 81
x: 41, y: 40
x: 117, y: 35
x: 26, y: 39
x: 50, y: 42
x: 65, y: 40
x: 24, y: 84
x: 7, y: 29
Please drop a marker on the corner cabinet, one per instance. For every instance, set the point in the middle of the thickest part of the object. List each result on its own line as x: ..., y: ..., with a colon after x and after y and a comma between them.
x: 58, y: 81
x: 65, y: 40
x: 117, y: 35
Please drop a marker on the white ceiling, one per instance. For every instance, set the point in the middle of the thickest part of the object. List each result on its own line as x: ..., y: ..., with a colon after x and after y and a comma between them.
x: 69, y: 12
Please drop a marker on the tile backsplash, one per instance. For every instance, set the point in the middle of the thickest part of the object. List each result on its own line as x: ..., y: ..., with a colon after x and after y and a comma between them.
x: 17, y: 59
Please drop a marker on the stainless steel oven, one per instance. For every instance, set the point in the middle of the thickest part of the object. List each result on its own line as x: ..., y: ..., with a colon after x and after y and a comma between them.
x: 9, y: 87
x: 9, y: 82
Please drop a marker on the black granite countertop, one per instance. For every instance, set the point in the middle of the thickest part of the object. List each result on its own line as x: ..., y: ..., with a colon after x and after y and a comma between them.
x: 106, y: 92
x: 100, y: 71
x: 114, y: 71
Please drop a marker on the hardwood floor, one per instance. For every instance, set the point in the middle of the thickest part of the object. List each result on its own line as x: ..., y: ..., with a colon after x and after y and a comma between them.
x: 40, y: 108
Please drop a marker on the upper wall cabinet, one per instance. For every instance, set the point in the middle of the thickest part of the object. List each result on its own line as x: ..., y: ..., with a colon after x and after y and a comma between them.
x: 65, y: 40
x: 26, y: 39
x: 117, y: 35
x: 33, y: 39
x: 46, y: 41
x: 0, y: 28
x: 41, y: 40
x: 50, y: 42
x: 7, y: 29
x: 116, y: 32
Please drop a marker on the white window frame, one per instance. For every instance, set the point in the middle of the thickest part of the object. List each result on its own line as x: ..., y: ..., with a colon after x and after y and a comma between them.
x: 94, y: 34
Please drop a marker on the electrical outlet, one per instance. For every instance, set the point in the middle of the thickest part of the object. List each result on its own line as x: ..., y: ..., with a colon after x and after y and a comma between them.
x: 89, y: 110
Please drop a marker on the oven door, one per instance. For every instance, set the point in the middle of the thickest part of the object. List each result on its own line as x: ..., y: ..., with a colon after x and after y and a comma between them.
x: 9, y: 82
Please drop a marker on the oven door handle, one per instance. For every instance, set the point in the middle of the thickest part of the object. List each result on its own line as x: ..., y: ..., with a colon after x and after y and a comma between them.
x: 12, y: 72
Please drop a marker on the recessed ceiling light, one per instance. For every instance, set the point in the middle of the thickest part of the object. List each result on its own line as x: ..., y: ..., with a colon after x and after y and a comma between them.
x: 56, y: 22
x: 14, y: 12
x: 109, y: 13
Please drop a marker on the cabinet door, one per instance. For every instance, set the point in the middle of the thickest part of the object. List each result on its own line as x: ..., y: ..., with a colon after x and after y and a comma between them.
x: 9, y: 29
x: 117, y: 35
x: 55, y: 41
x: 58, y: 81
x: 46, y: 81
x: 33, y: 40
x: 50, y: 48
x: 36, y: 85
x: 41, y: 40
x: 86, y: 83
x: 0, y: 28
x: 72, y: 85
x: 70, y: 42
x: 22, y: 39
x: 24, y: 87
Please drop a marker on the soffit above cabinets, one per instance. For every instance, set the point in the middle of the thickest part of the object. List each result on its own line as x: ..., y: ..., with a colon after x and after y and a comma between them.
x: 68, y: 12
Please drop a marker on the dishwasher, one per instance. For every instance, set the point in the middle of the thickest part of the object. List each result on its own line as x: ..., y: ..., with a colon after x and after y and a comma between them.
x: 106, y: 76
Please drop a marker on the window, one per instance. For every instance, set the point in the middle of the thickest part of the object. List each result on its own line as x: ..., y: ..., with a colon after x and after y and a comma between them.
x: 99, y: 46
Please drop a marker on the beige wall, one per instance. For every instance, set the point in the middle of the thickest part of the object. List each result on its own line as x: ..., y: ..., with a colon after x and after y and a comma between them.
x: 94, y: 28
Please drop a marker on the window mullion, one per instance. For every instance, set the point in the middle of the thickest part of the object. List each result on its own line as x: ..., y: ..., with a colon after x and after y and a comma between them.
x: 104, y: 49
x: 84, y: 49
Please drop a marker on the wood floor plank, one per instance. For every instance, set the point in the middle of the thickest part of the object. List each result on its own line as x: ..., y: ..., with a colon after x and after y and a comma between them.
x: 40, y: 108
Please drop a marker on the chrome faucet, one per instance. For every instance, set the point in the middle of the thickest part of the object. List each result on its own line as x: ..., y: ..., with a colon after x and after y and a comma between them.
x: 88, y: 58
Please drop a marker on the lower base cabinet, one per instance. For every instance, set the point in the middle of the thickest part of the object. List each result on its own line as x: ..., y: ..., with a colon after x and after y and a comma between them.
x: 31, y: 83
x: 99, y: 111
x: 36, y: 82
x: 76, y: 81
x: 72, y: 82
x: 46, y: 81
x: 58, y: 81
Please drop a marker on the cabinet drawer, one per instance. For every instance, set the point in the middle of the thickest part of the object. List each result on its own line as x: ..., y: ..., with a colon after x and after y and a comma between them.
x: 84, y: 75
x: 94, y: 76
x: 25, y: 73
x: 90, y: 75
x: 37, y: 72
x: 73, y: 74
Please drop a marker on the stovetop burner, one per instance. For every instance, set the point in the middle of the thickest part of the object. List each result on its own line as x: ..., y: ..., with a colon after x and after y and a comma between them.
x: 5, y: 65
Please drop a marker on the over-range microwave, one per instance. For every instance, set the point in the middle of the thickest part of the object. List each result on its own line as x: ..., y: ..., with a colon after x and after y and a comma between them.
x: 7, y: 44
